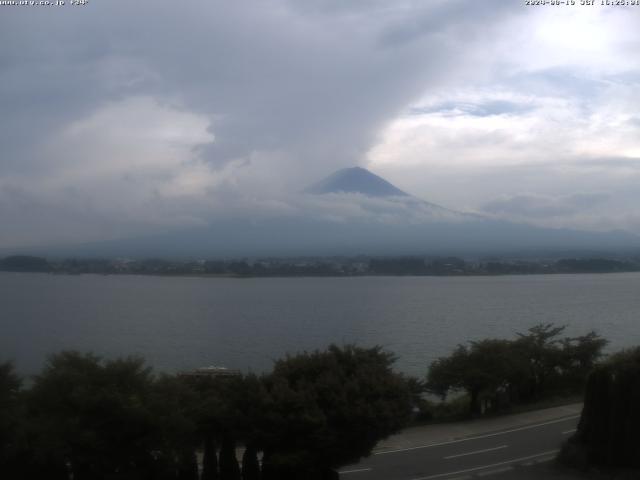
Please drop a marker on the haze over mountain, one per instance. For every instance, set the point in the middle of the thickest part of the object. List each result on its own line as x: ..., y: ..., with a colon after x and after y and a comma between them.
x: 351, y: 212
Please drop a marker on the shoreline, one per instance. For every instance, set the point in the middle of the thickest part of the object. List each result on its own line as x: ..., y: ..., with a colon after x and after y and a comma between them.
x: 364, y: 275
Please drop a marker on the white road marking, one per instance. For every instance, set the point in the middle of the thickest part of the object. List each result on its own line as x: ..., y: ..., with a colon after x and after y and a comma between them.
x: 450, y: 442
x: 544, y: 460
x: 495, y: 471
x: 358, y: 470
x: 567, y: 432
x: 477, y: 451
x: 483, y: 467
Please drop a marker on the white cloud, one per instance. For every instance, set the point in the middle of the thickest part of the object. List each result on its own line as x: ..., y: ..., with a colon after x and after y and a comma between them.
x: 550, y: 110
x: 112, y: 169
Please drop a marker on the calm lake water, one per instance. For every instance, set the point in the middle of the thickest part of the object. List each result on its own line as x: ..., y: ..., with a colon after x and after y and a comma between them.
x: 179, y: 323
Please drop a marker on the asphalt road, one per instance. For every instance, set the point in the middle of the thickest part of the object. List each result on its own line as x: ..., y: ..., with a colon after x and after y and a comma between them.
x: 484, y: 455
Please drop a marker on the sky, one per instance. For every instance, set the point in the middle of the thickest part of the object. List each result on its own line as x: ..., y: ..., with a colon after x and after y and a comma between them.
x: 126, y: 117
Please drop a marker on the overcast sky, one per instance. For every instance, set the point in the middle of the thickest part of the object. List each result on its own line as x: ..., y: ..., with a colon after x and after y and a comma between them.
x: 127, y: 116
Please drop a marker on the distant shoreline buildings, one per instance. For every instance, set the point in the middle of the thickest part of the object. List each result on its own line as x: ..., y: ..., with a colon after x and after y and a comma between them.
x: 211, y: 371
x: 325, y: 266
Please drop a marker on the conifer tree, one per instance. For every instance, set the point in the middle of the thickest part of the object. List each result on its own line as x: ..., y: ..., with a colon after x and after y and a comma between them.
x: 229, y: 468
x: 250, y: 464
x: 210, y: 460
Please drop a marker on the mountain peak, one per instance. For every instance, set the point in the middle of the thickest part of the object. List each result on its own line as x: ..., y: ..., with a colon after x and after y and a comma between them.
x: 356, y: 180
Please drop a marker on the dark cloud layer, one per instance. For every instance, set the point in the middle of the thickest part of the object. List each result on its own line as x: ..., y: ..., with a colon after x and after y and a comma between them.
x: 270, y: 76
x: 299, y: 89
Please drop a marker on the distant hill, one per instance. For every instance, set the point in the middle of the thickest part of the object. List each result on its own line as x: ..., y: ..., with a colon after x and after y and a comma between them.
x: 356, y: 180
x: 353, y: 212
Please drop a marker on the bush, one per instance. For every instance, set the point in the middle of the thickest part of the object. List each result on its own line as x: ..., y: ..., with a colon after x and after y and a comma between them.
x: 608, y: 430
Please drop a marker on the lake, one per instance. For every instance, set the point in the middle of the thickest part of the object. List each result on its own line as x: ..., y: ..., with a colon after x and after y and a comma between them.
x: 187, y: 322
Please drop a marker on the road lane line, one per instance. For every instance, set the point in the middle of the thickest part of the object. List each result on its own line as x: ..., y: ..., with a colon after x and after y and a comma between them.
x: 483, y: 467
x: 567, y: 432
x: 477, y: 451
x: 357, y: 470
x: 546, y: 459
x: 450, y: 442
x: 495, y: 471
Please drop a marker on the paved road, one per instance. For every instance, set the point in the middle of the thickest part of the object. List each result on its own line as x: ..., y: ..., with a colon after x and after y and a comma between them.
x: 476, y: 456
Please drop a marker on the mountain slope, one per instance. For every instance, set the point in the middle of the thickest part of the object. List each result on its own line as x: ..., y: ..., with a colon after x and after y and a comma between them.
x: 353, y: 212
x: 356, y: 180
x: 299, y: 236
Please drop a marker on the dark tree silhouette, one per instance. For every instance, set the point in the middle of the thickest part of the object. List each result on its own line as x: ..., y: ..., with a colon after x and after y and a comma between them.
x: 12, y: 423
x: 24, y: 263
x: 107, y: 418
x: 494, y: 372
x: 210, y: 459
x: 608, y: 430
x: 480, y: 369
x: 327, y: 409
x: 250, y: 464
x: 229, y: 468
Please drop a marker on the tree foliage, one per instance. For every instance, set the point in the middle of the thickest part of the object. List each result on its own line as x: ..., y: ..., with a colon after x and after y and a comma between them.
x: 608, y: 430
x: 495, y: 372
x: 331, y: 408
x: 482, y: 367
x: 11, y: 418
x: 24, y: 263
x: 114, y: 419
x: 93, y: 415
x: 105, y: 419
x: 97, y: 419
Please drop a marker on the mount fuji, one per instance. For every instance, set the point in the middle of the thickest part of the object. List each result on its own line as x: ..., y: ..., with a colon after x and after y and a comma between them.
x: 352, y: 212
x: 356, y: 180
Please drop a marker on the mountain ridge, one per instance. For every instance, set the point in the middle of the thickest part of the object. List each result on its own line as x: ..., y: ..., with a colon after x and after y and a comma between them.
x: 351, y: 212
x: 355, y: 180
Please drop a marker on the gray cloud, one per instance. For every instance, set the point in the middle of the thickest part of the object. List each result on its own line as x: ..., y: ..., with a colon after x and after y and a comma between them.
x: 290, y: 92
x: 271, y: 77
x: 106, y: 108
x: 444, y: 16
x: 541, y: 206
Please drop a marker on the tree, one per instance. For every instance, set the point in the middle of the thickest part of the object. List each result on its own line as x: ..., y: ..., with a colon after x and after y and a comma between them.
x: 12, y: 423
x: 250, y: 464
x: 229, y: 468
x: 556, y: 364
x: 24, y: 263
x: 221, y: 416
x: 481, y: 370
x: 495, y: 372
x: 327, y: 409
x: 580, y: 356
x: 187, y: 464
x: 173, y: 405
x: 542, y: 351
x: 607, y: 433
x: 209, y: 459
x: 98, y: 417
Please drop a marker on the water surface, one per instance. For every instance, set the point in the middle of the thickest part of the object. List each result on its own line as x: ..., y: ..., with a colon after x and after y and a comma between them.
x: 182, y: 322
